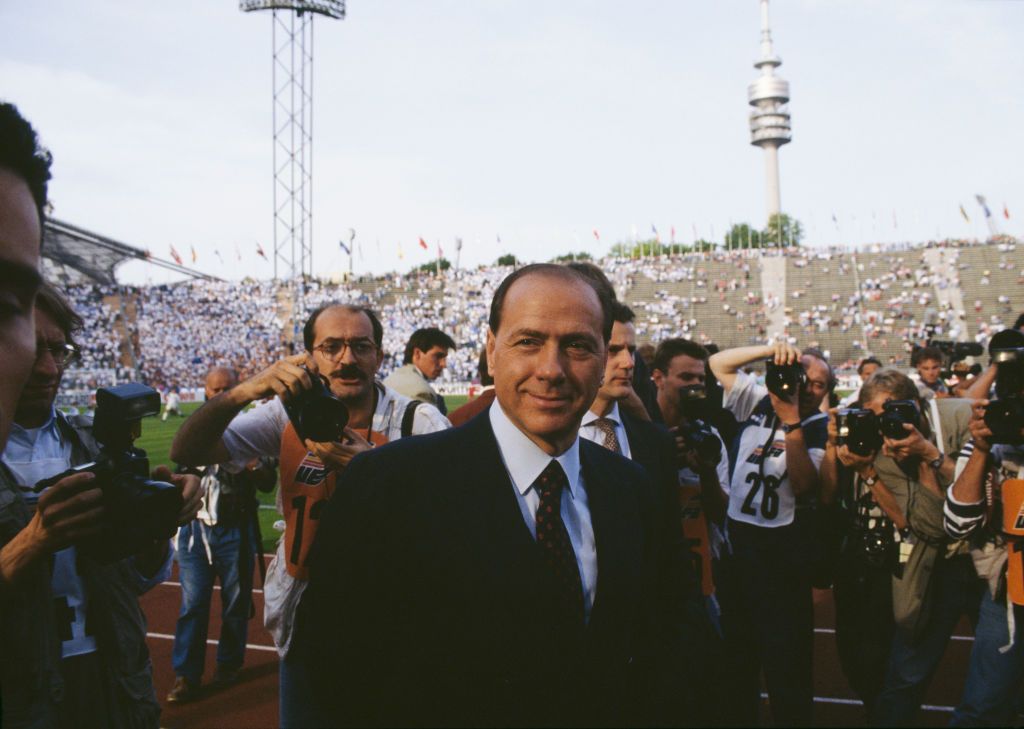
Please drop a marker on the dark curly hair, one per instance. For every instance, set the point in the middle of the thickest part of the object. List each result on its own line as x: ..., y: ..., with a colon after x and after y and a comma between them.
x: 21, y: 154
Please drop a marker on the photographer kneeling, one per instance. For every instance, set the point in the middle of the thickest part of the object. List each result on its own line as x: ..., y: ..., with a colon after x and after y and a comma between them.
x: 73, y: 635
x: 901, y: 449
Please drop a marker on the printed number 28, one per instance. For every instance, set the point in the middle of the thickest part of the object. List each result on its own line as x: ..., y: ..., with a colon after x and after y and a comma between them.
x: 769, y: 499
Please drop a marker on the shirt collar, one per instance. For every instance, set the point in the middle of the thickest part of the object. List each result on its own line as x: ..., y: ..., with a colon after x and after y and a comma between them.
x: 524, y: 460
x: 613, y: 415
x: 32, y: 433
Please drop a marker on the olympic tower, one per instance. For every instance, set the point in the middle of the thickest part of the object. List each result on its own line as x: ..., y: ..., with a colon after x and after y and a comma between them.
x: 769, y: 121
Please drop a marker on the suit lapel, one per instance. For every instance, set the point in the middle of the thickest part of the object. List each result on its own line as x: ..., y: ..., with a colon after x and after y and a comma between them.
x: 609, y: 516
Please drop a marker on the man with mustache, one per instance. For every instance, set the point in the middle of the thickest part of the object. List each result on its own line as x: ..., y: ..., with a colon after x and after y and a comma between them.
x: 507, y: 572
x: 344, y: 349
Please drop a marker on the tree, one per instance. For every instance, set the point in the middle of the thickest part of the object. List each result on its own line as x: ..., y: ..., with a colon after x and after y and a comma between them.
x: 431, y: 266
x: 567, y: 257
x: 743, y: 235
x: 783, y: 230
x: 507, y: 260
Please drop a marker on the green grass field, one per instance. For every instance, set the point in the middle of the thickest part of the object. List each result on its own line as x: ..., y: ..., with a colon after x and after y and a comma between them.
x: 156, y: 441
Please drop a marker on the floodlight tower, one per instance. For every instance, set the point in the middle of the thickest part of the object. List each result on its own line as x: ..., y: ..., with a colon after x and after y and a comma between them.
x: 769, y: 121
x: 292, y: 81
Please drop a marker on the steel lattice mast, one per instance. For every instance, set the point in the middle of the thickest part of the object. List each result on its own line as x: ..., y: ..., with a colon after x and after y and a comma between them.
x: 292, y: 81
x: 769, y: 121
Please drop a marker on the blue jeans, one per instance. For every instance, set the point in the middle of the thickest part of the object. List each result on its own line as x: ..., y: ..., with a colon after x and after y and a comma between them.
x: 197, y: 576
x: 955, y: 591
x: 993, y: 678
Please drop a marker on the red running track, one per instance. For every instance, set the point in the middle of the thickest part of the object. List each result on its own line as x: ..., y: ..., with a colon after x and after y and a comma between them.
x: 252, y: 702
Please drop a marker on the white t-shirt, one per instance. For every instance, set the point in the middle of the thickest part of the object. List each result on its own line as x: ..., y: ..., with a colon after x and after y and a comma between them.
x: 760, y: 492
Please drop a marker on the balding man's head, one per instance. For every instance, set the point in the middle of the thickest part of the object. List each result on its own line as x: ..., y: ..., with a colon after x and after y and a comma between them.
x: 220, y: 379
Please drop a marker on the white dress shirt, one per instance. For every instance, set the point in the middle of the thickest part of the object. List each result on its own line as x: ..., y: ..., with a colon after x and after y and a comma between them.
x: 525, y: 461
x: 591, y: 432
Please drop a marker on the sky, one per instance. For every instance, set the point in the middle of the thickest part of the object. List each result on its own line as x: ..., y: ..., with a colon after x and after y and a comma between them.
x: 532, y: 122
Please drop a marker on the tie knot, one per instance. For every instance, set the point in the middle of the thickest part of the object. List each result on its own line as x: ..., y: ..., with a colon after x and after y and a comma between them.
x: 551, y: 480
x: 605, y: 425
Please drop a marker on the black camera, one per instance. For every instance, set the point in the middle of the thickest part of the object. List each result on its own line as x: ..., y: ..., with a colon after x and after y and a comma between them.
x: 138, y: 509
x: 784, y: 381
x: 956, y: 351
x: 895, y: 414
x: 1005, y: 415
x: 317, y: 414
x: 857, y: 429
x: 695, y: 407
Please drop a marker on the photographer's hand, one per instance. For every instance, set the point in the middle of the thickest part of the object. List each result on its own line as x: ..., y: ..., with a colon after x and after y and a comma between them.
x: 980, y: 432
x: 863, y: 465
x: 285, y: 378
x: 69, y: 510
x: 337, y: 455
x: 788, y: 411
x: 785, y: 354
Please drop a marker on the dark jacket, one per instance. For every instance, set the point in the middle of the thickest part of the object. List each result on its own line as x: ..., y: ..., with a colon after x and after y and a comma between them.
x: 30, y: 649
x: 429, y: 602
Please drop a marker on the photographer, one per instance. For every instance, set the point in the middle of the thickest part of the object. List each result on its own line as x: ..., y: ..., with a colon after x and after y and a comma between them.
x: 85, y: 662
x: 679, y: 372
x: 933, y: 582
x: 975, y: 509
x: 768, y: 622
x: 928, y: 361
x: 344, y: 348
x: 221, y: 543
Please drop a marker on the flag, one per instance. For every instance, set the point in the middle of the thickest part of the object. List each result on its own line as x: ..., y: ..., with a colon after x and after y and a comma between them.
x: 964, y: 213
x: 219, y: 258
x: 176, y: 256
x: 440, y: 251
x: 344, y: 247
x: 984, y: 206
x: 259, y: 252
x: 401, y: 256
x: 238, y: 252
x: 835, y: 220
x: 597, y: 236
x: 894, y: 223
x: 673, y: 233
x: 1006, y: 211
x: 499, y: 239
x: 657, y: 238
x: 423, y: 244
x: 193, y: 253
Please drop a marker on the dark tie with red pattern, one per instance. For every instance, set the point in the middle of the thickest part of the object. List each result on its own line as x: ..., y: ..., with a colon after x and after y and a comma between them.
x: 553, y: 539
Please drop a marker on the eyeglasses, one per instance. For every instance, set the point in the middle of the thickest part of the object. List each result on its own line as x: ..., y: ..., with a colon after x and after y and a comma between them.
x: 63, y: 353
x: 335, y: 348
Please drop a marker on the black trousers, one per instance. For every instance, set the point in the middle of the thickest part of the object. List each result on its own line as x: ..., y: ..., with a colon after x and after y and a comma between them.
x: 864, y: 625
x: 768, y: 622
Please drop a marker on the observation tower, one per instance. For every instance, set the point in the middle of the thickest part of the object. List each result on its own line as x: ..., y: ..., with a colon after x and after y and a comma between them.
x: 769, y: 121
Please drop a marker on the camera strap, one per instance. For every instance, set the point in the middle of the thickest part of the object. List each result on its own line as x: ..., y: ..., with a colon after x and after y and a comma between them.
x: 933, y: 406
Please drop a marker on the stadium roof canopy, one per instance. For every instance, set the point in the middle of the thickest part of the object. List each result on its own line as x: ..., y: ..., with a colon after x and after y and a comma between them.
x: 96, y: 257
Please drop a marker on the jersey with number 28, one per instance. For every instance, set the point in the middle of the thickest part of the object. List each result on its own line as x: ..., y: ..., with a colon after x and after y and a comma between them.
x: 760, y: 490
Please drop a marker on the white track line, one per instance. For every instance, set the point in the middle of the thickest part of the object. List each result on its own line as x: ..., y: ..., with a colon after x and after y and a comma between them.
x: 858, y: 702
x: 171, y: 583
x: 831, y: 631
x: 251, y: 646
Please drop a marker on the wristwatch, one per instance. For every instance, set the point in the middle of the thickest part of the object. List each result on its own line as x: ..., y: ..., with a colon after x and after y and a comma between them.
x: 937, y: 463
x: 787, y: 429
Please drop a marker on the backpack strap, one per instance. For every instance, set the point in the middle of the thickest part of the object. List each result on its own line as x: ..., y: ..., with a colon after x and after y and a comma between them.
x: 408, y: 416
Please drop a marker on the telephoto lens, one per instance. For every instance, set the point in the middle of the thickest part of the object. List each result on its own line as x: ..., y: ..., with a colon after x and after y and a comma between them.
x: 857, y: 429
x: 784, y: 381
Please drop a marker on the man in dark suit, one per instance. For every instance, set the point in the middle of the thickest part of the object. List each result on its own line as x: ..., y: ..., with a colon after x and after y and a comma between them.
x: 506, y: 572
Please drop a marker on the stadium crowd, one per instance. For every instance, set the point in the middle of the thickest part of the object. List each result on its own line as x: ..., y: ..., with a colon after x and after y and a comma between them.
x: 678, y: 513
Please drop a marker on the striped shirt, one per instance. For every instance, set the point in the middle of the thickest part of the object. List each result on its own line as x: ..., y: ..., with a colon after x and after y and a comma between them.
x: 964, y: 519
